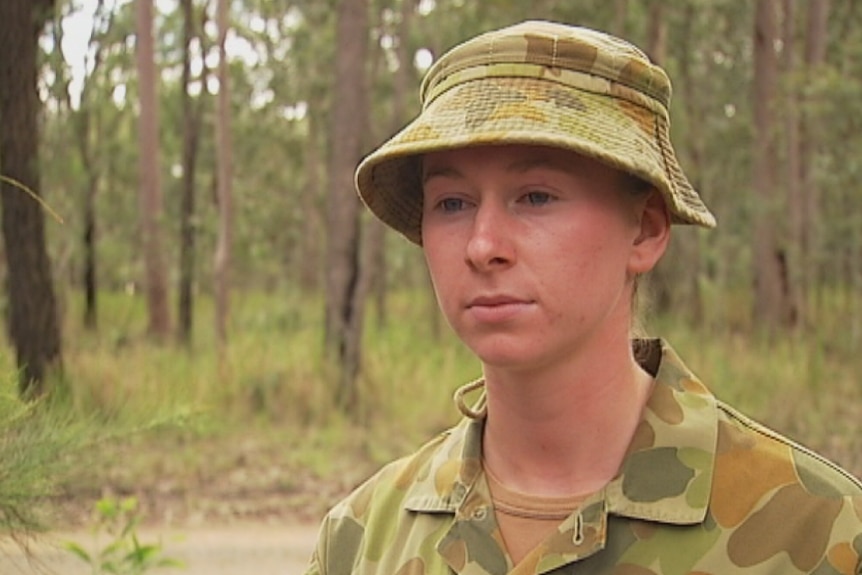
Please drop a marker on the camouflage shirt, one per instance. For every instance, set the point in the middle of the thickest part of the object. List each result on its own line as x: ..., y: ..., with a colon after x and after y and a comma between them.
x: 701, y: 490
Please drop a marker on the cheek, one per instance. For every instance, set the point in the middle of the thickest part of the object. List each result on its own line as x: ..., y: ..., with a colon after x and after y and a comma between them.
x: 586, y: 268
x: 441, y: 271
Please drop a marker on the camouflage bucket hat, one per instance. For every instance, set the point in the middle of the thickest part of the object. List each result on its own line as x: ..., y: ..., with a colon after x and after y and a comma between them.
x: 537, y: 83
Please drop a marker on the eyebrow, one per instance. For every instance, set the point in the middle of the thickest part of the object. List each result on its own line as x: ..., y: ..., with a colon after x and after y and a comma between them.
x: 443, y: 171
x: 519, y: 166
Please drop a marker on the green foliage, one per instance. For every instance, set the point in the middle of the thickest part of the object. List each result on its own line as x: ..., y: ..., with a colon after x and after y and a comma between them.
x: 272, y: 382
x: 34, y: 445
x: 123, y: 553
x: 264, y: 414
x: 272, y: 376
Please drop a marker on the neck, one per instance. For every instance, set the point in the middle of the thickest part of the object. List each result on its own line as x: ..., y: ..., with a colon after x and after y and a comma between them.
x: 564, y: 430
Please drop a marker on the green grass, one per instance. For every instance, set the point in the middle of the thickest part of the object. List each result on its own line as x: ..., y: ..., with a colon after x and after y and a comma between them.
x: 162, y: 419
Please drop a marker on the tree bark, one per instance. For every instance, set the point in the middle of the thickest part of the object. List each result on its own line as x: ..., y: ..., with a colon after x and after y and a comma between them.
x: 770, y: 260
x: 662, y: 280
x: 657, y: 37
x: 400, y: 87
x: 621, y: 12
x: 33, y: 321
x: 811, y: 140
x: 191, y: 130
x: 225, y: 176
x: 83, y: 120
x: 150, y: 194
x: 313, y: 223
x: 796, y: 312
x: 344, y: 297
x: 690, y: 250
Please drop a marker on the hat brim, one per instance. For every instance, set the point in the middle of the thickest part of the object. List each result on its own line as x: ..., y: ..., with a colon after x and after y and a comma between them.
x: 519, y: 110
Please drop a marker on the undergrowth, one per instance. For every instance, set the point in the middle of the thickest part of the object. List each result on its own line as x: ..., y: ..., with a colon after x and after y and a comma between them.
x: 152, y: 405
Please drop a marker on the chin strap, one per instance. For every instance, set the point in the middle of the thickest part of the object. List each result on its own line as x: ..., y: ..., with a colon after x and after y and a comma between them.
x: 480, y: 409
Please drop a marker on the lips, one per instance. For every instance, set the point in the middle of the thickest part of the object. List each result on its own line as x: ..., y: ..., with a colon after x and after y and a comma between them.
x: 494, y: 301
x: 496, y: 308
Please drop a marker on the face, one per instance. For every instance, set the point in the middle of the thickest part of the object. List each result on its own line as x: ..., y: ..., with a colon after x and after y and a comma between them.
x: 533, y: 250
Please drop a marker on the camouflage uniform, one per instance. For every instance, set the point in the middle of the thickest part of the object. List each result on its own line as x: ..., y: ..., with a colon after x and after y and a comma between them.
x: 702, y: 490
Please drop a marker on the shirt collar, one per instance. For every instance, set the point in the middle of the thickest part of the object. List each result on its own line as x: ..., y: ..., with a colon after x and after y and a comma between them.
x: 666, y: 475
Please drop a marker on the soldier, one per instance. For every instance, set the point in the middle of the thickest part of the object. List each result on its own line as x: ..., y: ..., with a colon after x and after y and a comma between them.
x: 540, y: 181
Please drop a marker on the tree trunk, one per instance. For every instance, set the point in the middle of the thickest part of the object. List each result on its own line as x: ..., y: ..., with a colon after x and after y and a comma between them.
x: 795, y: 202
x: 225, y: 176
x: 91, y: 289
x: 690, y: 250
x: 312, y: 237
x: 661, y: 281
x: 149, y: 176
x: 32, y: 308
x: 401, y: 83
x: 657, y: 37
x: 191, y: 129
x: 344, y: 297
x: 769, y: 259
x: 82, y: 121
x: 621, y: 12
x: 810, y: 142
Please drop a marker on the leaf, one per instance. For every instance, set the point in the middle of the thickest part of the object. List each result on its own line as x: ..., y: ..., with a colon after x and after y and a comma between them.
x: 78, y: 551
x: 15, y: 183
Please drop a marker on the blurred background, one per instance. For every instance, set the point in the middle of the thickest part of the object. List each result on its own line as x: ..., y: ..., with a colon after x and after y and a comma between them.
x: 200, y: 314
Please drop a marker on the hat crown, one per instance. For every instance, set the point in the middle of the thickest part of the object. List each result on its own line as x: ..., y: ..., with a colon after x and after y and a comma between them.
x: 553, y: 45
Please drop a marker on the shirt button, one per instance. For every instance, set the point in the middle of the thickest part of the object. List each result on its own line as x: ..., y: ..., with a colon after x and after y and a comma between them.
x: 480, y: 513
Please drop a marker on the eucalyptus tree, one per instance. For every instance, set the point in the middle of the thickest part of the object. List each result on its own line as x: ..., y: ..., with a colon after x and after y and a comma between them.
x: 191, y: 132
x: 810, y: 142
x: 224, y: 179
x: 769, y: 259
x: 345, y: 288
x: 149, y: 174
x: 33, y: 321
x: 76, y: 107
x: 90, y: 133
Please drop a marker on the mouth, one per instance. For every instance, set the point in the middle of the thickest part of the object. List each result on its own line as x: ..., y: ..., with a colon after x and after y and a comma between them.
x: 495, y: 301
x: 495, y: 309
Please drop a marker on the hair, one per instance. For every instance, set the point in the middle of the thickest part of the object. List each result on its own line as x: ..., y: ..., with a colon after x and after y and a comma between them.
x: 637, y: 187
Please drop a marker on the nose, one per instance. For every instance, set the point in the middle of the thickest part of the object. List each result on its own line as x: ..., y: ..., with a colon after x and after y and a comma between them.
x: 490, y: 247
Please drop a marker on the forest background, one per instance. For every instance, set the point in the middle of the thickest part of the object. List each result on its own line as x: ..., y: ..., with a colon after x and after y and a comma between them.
x: 201, y: 314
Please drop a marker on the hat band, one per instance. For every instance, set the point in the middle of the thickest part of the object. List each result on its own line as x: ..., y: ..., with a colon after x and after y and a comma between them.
x: 431, y: 90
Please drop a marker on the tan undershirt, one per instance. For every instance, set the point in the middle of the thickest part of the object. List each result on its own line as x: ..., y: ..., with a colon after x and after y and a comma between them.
x: 526, y: 520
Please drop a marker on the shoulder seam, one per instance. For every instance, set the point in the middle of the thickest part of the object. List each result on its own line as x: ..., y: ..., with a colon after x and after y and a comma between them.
x: 772, y: 434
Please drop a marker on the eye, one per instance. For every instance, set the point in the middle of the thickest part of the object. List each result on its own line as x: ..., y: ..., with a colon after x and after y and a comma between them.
x: 537, y: 198
x: 450, y: 205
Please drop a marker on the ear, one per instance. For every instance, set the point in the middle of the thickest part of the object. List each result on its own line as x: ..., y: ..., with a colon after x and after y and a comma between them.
x: 653, y: 234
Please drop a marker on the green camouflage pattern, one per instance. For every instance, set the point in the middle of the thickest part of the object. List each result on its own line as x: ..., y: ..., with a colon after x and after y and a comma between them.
x: 703, y: 490
x: 537, y: 83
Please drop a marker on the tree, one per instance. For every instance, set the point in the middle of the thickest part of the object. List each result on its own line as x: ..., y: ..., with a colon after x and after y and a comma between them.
x: 810, y: 141
x: 150, y: 193
x: 344, y: 285
x: 792, y: 182
x: 770, y: 259
x: 688, y: 262
x: 85, y: 123
x: 191, y: 130
x: 32, y: 309
x: 224, y: 160
x: 394, y: 118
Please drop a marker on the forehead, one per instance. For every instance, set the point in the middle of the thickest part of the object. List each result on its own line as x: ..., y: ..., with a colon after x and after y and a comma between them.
x: 512, y: 157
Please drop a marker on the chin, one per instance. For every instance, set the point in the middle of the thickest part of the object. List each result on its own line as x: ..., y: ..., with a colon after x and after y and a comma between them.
x: 505, y: 356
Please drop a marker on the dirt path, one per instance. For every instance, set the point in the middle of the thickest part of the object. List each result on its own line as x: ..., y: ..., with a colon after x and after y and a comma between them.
x: 236, y: 549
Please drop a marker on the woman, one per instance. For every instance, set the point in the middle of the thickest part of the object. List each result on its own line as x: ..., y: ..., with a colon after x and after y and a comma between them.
x: 540, y: 181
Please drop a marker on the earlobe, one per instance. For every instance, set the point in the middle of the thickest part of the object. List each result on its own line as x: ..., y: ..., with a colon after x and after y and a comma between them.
x: 653, y: 234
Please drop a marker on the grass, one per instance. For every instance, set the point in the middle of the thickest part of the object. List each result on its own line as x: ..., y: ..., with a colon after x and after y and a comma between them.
x: 206, y: 432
